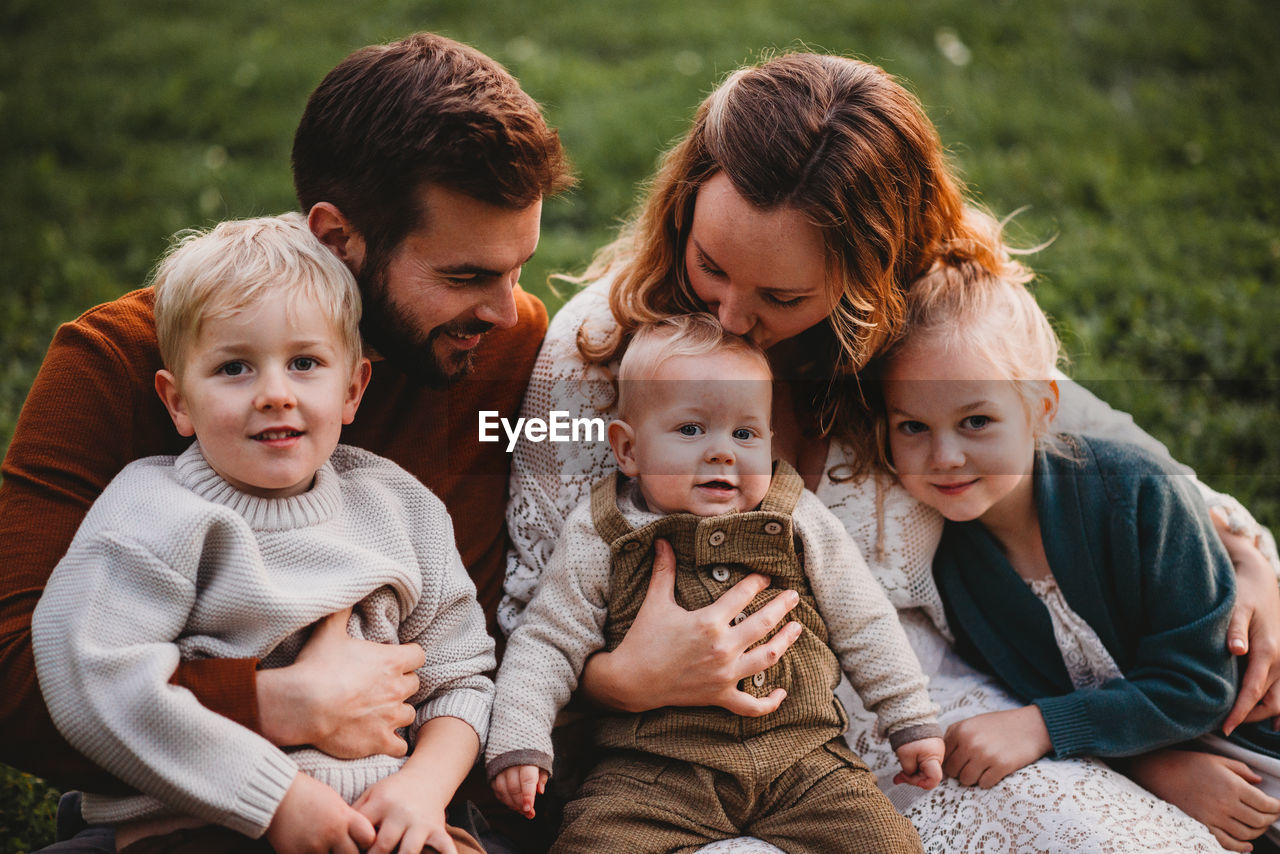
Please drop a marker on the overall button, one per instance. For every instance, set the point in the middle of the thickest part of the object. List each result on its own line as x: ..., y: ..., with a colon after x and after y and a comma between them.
x: 720, y: 573
x: 716, y: 538
x: 773, y: 528
x: 742, y: 615
x: 758, y: 680
x: 630, y: 545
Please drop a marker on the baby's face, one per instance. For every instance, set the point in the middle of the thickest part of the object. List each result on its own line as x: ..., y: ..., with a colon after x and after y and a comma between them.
x: 698, y: 436
x: 266, y: 391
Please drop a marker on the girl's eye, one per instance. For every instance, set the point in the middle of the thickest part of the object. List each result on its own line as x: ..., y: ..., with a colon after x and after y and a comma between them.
x: 304, y: 363
x: 976, y: 422
x: 233, y: 369
x: 912, y: 428
x: 744, y: 434
x: 689, y: 429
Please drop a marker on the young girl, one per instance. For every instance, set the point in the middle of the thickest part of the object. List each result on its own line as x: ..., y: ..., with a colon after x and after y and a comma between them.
x: 1085, y: 573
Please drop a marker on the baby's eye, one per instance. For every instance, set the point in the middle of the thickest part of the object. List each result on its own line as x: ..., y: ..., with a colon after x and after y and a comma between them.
x: 303, y: 363
x: 976, y: 422
x: 233, y: 369
x: 744, y: 434
x: 689, y: 429
x: 911, y: 428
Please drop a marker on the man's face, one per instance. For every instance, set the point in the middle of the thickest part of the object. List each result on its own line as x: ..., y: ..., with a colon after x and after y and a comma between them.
x: 428, y: 303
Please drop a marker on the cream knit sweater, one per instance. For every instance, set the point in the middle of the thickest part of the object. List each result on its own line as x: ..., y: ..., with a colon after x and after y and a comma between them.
x: 172, y: 562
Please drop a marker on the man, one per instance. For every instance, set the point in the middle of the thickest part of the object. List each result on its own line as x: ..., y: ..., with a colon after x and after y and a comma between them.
x: 422, y: 165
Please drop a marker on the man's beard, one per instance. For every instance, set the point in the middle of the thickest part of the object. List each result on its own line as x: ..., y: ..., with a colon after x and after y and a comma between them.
x: 390, y: 330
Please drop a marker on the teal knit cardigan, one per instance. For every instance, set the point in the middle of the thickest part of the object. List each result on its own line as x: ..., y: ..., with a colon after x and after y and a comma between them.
x: 1135, y: 554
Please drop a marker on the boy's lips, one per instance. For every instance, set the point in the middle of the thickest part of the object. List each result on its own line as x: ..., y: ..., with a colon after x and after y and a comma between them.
x: 718, y: 487
x: 275, y: 435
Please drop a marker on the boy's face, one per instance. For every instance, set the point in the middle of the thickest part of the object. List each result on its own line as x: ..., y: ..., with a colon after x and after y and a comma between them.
x: 266, y: 390
x: 697, y: 435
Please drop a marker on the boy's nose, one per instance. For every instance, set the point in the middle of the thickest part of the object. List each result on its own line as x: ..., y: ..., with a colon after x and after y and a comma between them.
x: 274, y: 393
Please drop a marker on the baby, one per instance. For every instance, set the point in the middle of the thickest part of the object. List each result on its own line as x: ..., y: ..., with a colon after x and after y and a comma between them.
x: 234, y: 548
x: 693, y: 445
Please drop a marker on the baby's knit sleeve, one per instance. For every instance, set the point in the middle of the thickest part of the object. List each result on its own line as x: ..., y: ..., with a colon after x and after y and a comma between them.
x: 863, y: 627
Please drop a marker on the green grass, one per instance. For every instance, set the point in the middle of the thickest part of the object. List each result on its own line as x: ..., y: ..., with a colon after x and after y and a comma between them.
x: 1140, y: 136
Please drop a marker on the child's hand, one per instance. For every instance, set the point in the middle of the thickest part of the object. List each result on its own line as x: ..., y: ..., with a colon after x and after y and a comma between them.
x: 517, y: 786
x: 984, y: 749
x: 921, y: 762
x: 313, y: 817
x: 405, y: 814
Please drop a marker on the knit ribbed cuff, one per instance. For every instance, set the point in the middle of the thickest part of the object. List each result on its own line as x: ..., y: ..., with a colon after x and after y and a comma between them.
x: 1067, y: 720
x: 472, y: 707
x: 258, y: 799
x: 512, y: 758
x: 914, y: 733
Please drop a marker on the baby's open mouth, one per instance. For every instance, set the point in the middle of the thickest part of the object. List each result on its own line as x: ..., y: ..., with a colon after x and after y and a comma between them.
x: 717, y: 484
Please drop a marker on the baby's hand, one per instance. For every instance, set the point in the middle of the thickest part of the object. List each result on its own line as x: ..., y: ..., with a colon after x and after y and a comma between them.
x: 406, y: 816
x: 518, y: 785
x: 921, y: 762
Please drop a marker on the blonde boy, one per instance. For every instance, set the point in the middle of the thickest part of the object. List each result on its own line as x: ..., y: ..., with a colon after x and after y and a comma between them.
x: 263, y: 528
x: 693, y: 440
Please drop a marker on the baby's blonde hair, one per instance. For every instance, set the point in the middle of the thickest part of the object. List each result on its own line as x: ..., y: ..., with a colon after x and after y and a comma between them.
x: 654, y: 343
x: 964, y: 308
x: 218, y: 272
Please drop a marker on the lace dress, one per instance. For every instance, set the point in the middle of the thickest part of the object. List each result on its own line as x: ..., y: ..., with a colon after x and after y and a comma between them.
x: 1075, y: 805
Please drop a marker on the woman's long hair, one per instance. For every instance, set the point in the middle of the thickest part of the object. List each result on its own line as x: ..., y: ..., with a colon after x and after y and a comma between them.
x: 846, y: 145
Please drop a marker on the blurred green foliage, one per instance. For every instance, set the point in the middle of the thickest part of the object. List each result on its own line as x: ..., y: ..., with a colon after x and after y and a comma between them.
x: 1140, y: 137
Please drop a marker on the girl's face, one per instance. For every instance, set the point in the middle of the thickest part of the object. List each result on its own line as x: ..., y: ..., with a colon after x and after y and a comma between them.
x: 961, y: 436
x: 762, y: 272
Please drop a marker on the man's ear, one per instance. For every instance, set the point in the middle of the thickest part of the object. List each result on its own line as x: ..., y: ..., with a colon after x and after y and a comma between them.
x: 359, y: 382
x: 171, y: 397
x: 622, y: 438
x: 334, y: 230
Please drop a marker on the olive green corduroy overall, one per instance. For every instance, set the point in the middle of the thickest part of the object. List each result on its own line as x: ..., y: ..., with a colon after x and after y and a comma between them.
x: 674, y: 779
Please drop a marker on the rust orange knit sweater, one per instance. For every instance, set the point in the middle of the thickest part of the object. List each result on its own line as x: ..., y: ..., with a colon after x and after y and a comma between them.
x: 93, y: 409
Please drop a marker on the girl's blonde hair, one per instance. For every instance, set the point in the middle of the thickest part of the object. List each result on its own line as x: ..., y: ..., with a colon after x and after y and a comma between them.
x: 962, y: 308
x: 218, y: 272
x: 697, y: 334
x: 843, y: 143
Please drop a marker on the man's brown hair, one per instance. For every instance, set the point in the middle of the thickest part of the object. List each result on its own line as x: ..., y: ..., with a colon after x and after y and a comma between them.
x: 391, y: 119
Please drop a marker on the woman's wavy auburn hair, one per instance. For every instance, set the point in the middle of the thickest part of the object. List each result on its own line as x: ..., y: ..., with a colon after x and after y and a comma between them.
x: 845, y: 144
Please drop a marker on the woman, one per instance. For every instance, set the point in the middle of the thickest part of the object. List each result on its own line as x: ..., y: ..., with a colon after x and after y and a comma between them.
x: 809, y: 191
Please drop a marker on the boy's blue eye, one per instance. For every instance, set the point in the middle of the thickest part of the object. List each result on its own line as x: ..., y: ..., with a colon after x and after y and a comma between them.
x: 304, y: 363
x: 911, y: 428
x: 742, y: 434
x: 976, y: 422
x: 232, y: 369
x: 689, y: 429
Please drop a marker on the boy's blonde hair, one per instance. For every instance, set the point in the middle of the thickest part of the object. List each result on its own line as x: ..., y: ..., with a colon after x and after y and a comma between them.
x: 218, y: 272
x: 654, y: 343
x: 964, y: 308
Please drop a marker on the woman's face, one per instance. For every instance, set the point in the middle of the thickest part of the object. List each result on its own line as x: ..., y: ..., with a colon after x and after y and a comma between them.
x: 762, y: 272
